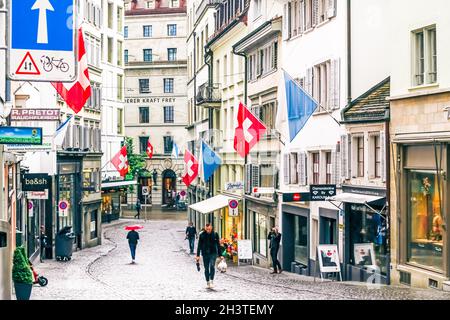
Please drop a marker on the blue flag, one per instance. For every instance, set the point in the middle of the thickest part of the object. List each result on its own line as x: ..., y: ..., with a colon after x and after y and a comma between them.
x: 209, y: 162
x: 300, y: 106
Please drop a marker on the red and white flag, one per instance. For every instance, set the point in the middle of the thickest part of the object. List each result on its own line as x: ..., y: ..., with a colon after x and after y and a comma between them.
x: 120, y: 161
x: 248, y: 132
x: 76, y: 94
x: 191, y: 168
x: 149, y: 150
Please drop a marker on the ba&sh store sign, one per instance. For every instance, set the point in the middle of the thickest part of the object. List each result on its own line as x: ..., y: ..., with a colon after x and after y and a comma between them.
x: 35, y: 182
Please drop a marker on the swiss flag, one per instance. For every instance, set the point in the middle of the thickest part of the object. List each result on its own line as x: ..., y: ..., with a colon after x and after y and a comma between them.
x: 120, y: 161
x: 149, y: 150
x: 191, y: 168
x: 76, y: 94
x: 248, y: 132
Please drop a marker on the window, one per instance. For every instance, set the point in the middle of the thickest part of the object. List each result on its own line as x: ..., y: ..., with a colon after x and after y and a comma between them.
x: 125, y: 32
x: 322, y: 10
x: 110, y: 15
x: 119, y: 121
x: 144, y: 115
x: 301, y: 239
x: 425, y: 222
x: 171, y: 30
x: 110, y: 50
x: 119, y: 53
x: 147, y: 55
x: 168, y: 85
x: 119, y: 87
x: 293, y: 165
x: 257, y: 8
x: 168, y: 144
x: 267, y: 175
x: 360, y: 156
x: 168, y: 114
x: 329, y: 169
x: 150, y: 4
x: 260, y: 233
x: 425, y: 56
x: 143, y: 144
x: 119, y: 18
x: 316, y: 168
x: 377, y: 156
x: 172, y: 54
x: 174, y: 3
x: 147, y: 31
x: 144, y: 86
x: 263, y: 61
x: 125, y: 53
x: 321, y: 87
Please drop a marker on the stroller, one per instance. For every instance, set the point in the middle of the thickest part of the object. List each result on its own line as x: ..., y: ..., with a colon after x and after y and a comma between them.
x: 37, y: 279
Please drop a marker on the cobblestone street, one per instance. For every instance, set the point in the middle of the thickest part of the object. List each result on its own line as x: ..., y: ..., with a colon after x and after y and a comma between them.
x: 165, y: 270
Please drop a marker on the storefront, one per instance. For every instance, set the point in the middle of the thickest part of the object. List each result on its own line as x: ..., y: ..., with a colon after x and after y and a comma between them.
x: 423, y: 204
x: 114, y: 194
x: 296, y: 247
x: 366, y: 246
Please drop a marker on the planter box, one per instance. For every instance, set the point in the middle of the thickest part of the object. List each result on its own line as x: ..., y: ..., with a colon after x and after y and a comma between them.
x: 23, y: 291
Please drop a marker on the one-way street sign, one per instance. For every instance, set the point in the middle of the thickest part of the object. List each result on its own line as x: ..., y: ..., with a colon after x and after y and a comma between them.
x: 42, y: 40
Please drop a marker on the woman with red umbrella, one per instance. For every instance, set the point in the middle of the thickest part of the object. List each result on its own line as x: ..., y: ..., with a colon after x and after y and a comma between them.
x: 133, y: 237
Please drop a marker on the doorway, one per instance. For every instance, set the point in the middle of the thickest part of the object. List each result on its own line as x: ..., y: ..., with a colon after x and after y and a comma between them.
x: 328, y: 230
x: 169, y: 187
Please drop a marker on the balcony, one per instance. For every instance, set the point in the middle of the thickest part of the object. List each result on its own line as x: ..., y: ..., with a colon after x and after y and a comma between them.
x: 209, y: 96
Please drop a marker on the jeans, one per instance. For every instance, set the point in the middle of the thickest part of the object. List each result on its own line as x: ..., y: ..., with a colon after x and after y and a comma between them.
x: 133, y: 250
x: 209, y: 262
x: 191, y: 244
x: 276, y: 263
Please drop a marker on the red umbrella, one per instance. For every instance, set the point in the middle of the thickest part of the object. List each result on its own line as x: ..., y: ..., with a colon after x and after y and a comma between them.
x: 134, y: 227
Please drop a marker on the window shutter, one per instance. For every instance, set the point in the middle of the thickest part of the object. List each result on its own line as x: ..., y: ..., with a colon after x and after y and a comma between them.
x: 255, y: 175
x: 301, y: 20
x: 248, y: 178
x: 309, y: 81
x: 331, y: 10
x: 334, y: 93
x: 383, y: 166
x: 286, y: 27
x: 302, y: 168
x: 315, y: 17
x: 99, y: 140
x: 68, y: 138
x: 345, y: 157
x: 336, y: 170
x: 286, y: 169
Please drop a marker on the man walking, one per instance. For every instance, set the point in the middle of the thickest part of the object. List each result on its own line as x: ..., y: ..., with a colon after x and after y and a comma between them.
x: 138, y: 209
x: 209, y: 248
x: 275, y: 239
x: 191, y: 234
x: 133, y: 237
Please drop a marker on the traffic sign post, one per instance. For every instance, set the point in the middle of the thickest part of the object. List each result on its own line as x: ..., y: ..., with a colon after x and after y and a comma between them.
x: 42, y: 40
x: 233, y: 210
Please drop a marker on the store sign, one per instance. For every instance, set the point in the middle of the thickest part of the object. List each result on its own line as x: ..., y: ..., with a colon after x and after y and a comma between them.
x: 245, y: 250
x: 20, y: 135
x: 151, y: 100
x: 35, y: 114
x: 233, y: 210
x: 236, y: 185
x: 296, y: 197
x: 329, y: 258
x: 37, y: 195
x: 258, y: 190
x: 45, y: 147
x: 322, y: 192
x: 35, y: 182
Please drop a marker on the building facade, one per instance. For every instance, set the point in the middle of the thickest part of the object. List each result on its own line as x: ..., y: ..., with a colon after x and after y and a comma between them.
x: 156, y: 97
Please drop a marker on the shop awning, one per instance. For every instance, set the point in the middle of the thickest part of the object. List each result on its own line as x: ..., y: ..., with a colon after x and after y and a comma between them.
x: 355, y: 198
x: 115, y: 184
x: 212, y: 204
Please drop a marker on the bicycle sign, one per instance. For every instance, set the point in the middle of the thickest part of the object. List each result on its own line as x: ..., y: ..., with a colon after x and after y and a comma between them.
x: 42, y: 40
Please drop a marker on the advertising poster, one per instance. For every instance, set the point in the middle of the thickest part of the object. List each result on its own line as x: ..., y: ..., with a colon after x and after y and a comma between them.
x: 329, y: 258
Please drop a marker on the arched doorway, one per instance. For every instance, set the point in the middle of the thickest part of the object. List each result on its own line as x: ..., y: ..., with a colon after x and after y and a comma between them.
x: 169, y: 186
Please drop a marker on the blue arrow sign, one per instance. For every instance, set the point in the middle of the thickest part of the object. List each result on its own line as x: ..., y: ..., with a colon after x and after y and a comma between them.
x: 42, y: 25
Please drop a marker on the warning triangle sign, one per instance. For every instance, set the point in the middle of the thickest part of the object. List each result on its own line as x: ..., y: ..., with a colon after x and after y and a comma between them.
x: 28, y: 66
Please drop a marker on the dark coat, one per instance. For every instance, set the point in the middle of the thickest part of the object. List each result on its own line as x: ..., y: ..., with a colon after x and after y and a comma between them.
x: 208, y: 244
x: 275, y: 240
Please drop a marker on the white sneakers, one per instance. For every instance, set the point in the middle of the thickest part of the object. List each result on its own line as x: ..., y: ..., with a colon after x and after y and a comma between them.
x: 208, y: 285
x: 211, y: 284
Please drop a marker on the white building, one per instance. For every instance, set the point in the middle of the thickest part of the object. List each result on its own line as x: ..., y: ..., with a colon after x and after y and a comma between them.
x: 156, y: 96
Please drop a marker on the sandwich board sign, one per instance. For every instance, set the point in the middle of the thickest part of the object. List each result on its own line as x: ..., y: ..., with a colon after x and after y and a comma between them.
x: 245, y: 251
x: 42, y: 40
x: 328, y: 257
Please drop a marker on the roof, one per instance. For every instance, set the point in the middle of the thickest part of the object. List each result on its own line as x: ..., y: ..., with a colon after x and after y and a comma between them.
x: 372, y: 106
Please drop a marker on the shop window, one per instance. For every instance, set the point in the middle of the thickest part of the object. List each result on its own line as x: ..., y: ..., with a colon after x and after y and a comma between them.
x: 301, y: 239
x: 260, y: 233
x: 425, y: 222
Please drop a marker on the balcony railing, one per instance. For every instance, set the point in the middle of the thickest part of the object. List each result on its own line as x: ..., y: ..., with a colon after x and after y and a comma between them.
x: 209, y: 95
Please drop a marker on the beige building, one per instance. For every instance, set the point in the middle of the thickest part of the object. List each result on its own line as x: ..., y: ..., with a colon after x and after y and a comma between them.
x: 155, y: 93
x: 420, y: 132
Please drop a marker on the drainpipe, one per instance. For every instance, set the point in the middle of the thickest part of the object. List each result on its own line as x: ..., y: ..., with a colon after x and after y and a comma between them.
x: 195, y: 78
x: 388, y: 196
x: 209, y: 62
x: 349, y: 52
x: 244, y: 202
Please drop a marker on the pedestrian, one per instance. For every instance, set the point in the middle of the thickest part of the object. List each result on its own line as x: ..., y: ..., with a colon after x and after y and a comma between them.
x: 209, y: 247
x: 177, y: 200
x: 133, y: 237
x: 275, y: 239
x: 191, y: 234
x: 138, y: 209
x: 43, y: 243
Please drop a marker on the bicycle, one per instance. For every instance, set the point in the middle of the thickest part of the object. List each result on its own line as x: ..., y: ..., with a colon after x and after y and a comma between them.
x: 48, y: 64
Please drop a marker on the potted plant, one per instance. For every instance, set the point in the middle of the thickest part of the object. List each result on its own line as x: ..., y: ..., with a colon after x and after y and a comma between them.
x: 22, y: 275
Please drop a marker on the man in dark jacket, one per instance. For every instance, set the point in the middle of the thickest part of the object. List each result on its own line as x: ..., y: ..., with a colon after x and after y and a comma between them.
x: 191, y: 234
x: 138, y: 209
x: 133, y: 238
x: 275, y: 239
x: 209, y: 248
